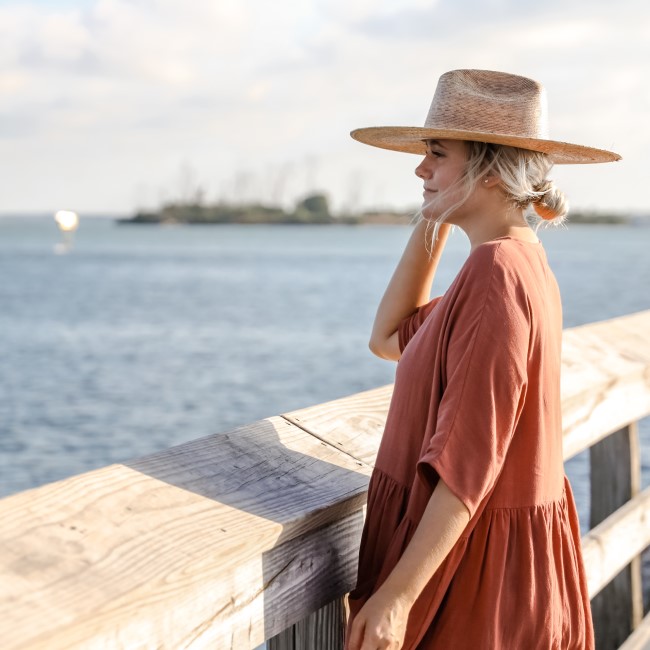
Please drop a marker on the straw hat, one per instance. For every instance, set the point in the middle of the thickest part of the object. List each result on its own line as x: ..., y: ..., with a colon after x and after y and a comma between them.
x: 486, y: 106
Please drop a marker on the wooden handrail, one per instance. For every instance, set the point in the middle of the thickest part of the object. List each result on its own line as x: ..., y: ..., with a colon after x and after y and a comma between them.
x: 227, y: 540
x: 612, y: 545
x: 605, y: 378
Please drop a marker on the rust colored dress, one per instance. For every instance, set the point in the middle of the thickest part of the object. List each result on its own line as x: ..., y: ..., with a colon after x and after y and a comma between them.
x: 476, y: 401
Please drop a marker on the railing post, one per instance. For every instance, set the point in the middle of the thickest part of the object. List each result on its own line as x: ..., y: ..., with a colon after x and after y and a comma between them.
x: 615, y: 478
x: 322, y: 630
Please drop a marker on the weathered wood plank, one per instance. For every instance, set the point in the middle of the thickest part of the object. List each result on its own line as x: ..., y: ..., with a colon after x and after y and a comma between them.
x: 322, y: 630
x: 353, y: 424
x: 616, y: 471
x: 640, y: 638
x: 292, y: 583
x: 169, y: 543
x: 611, y: 545
x: 605, y: 378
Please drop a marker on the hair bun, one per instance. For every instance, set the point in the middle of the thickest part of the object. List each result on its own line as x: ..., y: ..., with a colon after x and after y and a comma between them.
x: 551, y: 203
x: 545, y: 212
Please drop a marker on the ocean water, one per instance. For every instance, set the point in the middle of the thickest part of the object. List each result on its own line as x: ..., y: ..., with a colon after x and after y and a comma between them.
x: 142, y: 337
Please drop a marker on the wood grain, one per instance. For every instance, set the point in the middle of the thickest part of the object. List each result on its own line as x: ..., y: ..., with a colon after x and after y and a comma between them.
x: 605, y: 379
x: 611, y: 545
x: 140, y: 555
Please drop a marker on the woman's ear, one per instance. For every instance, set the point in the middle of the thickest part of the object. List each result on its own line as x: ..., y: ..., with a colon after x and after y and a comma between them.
x: 490, y: 180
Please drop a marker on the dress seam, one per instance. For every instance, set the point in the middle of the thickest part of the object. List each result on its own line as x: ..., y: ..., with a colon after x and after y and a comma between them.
x: 561, y: 500
x: 392, y: 478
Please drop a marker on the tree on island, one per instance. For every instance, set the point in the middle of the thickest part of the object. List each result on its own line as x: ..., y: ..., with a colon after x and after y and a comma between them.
x: 314, y: 208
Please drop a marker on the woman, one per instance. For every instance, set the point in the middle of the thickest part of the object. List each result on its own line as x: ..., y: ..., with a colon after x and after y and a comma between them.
x: 471, y: 537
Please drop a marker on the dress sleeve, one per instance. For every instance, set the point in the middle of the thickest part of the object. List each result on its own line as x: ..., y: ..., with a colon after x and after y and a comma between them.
x: 409, y: 325
x: 484, y: 364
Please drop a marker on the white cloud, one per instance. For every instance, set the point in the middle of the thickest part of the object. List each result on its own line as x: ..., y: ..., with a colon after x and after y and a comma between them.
x: 101, y: 102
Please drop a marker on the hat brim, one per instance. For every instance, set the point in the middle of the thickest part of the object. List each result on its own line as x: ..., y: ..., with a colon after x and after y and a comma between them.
x: 410, y: 139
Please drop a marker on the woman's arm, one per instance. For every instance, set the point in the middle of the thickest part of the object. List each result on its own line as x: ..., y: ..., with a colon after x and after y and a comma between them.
x: 384, y: 615
x: 408, y: 289
x: 444, y: 520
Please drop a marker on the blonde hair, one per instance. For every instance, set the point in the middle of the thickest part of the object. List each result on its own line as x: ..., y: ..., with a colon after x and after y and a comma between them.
x: 524, y: 179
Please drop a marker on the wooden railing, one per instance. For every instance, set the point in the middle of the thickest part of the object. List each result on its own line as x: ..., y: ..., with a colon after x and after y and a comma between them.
x: 253, y: 534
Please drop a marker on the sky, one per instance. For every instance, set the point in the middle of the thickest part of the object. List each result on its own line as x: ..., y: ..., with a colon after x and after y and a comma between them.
x: 113, y: 106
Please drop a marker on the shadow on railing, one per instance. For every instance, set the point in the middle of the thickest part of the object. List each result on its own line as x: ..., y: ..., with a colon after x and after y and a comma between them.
x: 253, y: 535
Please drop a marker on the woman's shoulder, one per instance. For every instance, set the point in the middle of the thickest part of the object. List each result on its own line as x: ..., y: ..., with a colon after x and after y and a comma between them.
x: 498, y: 274
x: 481, y: 263
x: 503, y: 260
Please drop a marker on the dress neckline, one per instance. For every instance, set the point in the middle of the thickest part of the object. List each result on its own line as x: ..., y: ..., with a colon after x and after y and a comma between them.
x: 523, y: 241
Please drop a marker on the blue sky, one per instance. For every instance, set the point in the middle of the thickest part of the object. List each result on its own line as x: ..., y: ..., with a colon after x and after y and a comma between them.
x: 115, y: 105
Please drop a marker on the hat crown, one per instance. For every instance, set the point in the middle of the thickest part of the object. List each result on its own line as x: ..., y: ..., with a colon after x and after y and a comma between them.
x: 486, y: 101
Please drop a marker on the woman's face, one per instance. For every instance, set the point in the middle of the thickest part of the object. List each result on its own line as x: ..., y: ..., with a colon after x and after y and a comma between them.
x: 440, y: 170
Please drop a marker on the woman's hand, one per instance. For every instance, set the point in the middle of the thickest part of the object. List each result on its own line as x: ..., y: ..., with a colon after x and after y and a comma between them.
x: 381, y: 623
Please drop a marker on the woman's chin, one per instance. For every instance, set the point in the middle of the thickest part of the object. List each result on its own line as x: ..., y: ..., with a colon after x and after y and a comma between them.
x: 433, y: 215
x: 430, y: 215
x: 435, y: 218
x: 429, y: 211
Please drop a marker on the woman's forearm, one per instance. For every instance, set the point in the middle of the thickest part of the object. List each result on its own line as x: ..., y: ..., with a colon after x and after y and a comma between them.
x: 444, y: 520
x: 410, y: 285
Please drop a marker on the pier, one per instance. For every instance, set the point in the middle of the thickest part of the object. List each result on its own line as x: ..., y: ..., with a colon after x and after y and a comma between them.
x: 252, y: 535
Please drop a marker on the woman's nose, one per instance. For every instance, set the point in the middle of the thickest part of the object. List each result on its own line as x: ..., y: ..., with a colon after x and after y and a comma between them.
x: 422, y: 171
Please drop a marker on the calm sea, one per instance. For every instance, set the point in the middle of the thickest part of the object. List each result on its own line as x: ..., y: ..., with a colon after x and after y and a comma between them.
x: 142, y: 337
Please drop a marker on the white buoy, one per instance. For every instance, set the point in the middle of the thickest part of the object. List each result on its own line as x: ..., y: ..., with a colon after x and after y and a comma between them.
x: 67, y: 220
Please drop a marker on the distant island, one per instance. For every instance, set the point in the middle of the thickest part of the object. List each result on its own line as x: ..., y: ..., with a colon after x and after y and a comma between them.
x: 313, y: 209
